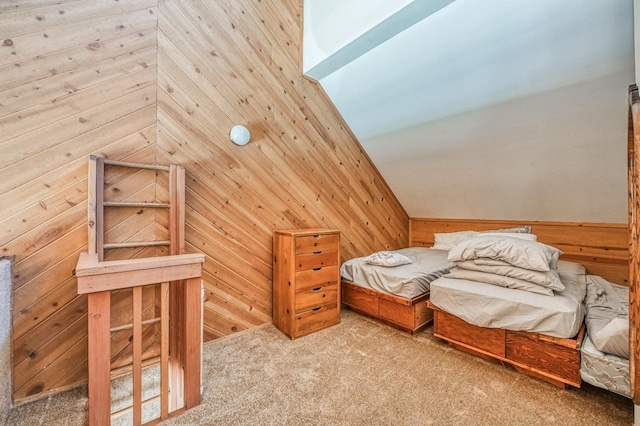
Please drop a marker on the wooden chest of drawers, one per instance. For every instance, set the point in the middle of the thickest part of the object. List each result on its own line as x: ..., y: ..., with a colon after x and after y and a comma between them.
x: 306, y: 280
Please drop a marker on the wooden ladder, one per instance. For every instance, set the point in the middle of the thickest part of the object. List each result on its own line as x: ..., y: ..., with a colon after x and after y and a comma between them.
x: 180, y: 310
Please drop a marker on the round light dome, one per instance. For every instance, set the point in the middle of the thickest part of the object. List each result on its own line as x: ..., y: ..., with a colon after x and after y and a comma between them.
x: 239, y: 135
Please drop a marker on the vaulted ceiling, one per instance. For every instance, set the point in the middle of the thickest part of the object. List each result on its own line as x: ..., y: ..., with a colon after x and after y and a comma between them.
x: 487, y: 109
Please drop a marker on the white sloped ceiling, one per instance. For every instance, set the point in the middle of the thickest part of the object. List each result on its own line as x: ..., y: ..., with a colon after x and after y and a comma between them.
x: 495, y: 109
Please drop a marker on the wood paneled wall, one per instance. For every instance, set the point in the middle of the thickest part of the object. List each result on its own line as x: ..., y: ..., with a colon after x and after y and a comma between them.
x: 164, y: 81
x: 76, y: 77
x: 238, y: 62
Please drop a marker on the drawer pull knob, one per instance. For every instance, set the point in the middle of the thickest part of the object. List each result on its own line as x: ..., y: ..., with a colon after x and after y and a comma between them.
x: 317, y: 269
x: 317, y: 309
x: 317, y: 289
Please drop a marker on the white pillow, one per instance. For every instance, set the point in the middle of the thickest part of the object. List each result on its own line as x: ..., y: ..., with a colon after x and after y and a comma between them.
x: 613, y: 338
x: 387, y: 258
x: 549, y: 279
x: 526, y: 229
x: 524, y: 254
x: 521, y: 235
x: 499, y: 280
x: 570, y: 268
x: 448, y: 240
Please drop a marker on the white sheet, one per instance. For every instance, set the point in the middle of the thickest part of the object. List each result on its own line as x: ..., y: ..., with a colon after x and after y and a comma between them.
x: 406, y: 281
x: 487, y: 305
x: 608, y: 316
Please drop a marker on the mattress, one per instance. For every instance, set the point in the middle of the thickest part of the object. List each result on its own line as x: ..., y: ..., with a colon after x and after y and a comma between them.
x: 491, y: 306
x: 605, y: 371
x: 607, y: 316
x: 406, y: 281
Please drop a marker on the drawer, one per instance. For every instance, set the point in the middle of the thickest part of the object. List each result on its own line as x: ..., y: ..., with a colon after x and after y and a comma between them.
x: 316, y: 260
x: 316, y: 297
x: 317, y: 243
x: 544, y: 356
x: 450, y: 327
x: 318, y: 277
x: 311, y: 321
x: 359, y: 301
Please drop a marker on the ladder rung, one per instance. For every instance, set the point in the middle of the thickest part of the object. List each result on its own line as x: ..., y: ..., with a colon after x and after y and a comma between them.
x: 136, y: 244
x: 136, y: 165
x: 132, y: 204
x: 129, y: 326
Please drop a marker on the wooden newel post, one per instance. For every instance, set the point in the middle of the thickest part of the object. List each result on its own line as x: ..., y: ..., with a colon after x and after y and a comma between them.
x: 192, y: 339
x: 99, y: 305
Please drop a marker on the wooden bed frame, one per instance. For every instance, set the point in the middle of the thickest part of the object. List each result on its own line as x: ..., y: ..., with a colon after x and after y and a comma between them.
x: 601, y: 248
x: 551, y: 359
x: 408, y: 315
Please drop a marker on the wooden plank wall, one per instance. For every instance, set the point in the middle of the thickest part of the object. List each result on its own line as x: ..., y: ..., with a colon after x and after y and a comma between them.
x: 237, y: 62
x: 603, y: 248
x: 77, y: 77
x: 164, y: 81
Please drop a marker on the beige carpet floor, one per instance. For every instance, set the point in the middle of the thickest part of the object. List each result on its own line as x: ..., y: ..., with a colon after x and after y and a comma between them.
x: 360, y: 372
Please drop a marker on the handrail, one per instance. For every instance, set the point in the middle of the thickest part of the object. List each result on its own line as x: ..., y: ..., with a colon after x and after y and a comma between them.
x: 95, y: 276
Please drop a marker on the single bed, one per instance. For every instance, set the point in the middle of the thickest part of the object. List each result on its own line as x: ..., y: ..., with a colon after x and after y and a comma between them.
x: 539, y: 335
x: 605, y: 352
x: 492, y: 306
x: 601, y: 248
x: 394, y: 295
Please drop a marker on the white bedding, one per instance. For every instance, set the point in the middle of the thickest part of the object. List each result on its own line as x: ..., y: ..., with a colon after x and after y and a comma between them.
x: 408, y: 281
x: 608, y: 316
x: 487, y: 305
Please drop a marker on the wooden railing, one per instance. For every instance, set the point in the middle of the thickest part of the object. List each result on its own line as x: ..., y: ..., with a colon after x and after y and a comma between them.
x: 179, y: 370
x: 177, y: 304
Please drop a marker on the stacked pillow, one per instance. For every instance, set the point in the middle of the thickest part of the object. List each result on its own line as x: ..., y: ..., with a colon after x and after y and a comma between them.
x: 507, y: 259
x: 448, y: 240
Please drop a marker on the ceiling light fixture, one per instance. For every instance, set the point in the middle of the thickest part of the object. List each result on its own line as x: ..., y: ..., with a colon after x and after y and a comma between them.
x: 239, y: 135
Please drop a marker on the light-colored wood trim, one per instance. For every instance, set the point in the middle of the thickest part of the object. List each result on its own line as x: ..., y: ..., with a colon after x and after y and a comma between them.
x: 136, y: 165
x: 130, y: 326
x: 130, y: 204
x: 91, y: 205
x: 136, y: 244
